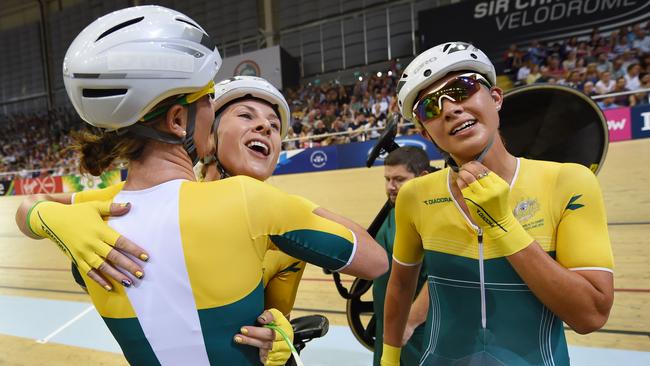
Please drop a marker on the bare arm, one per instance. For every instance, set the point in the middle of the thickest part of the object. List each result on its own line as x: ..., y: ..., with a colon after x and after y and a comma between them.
x: 418, y: 313
x: 370, y: 258
x: 400, y: 291
x: 582, y: 299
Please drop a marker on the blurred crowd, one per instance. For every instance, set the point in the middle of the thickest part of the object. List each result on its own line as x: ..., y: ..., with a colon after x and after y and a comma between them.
x: 325, y: 113
x: 35, y: 144
x: 603, y: 63
x: 348, y: 113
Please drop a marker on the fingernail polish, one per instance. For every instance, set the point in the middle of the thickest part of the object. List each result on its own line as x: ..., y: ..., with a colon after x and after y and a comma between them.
x: 244, y: 331
x: 239, y: 339
x: 144, y: 257
x: 126, y: 283
x: 139, y: 274
x: 125, y: 205
x: 107, y: 288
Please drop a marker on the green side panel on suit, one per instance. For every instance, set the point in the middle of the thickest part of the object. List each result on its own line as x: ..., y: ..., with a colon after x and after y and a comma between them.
x: 519, y: 329
x: 224, y: 322
x: 296, y: 244
x: 129, y: 335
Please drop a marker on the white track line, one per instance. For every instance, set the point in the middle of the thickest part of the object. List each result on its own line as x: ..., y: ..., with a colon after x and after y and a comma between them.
x: 61, y: 328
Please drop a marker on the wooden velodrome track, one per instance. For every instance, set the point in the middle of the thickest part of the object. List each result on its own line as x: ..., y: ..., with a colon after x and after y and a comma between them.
x: 33, y: 268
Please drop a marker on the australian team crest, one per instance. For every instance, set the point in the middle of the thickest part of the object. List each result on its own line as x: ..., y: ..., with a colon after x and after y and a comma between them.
x: 526, y: 209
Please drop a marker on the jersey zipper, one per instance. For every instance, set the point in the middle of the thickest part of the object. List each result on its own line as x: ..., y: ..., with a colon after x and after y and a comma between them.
x: 481, y: 268
x: 481, y: 274
x: 481, y: 271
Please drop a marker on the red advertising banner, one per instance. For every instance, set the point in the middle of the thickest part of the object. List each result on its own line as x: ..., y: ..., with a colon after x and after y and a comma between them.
x: 38, y: 185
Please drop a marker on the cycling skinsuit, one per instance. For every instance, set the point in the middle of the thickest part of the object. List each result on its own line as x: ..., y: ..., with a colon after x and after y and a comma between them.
x: 282, y: 274
x: 412, y: 350
x: 200, y: 288
x: 480, y: 310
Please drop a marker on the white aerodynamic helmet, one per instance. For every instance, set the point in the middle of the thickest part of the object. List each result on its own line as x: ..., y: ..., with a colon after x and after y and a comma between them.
x: 435, y: 63
x: 126, y: 62
x: 240, y: 87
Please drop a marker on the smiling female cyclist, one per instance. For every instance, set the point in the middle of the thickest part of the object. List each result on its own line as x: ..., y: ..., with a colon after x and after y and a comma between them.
x: 512, y: 247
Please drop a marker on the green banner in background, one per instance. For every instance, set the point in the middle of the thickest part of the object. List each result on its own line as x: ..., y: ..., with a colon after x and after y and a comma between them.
x: 78, y: 183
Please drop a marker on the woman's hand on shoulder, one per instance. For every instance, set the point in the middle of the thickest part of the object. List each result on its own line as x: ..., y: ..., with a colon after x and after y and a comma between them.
x: 80, y: 231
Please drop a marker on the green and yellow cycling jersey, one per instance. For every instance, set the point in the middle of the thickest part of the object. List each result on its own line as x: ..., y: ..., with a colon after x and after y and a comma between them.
x: 204, y: 279
x: 282, y: 274
x: 480, y: 310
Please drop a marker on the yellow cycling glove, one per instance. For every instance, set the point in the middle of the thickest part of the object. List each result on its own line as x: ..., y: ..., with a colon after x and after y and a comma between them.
x: 78, y: 230
x: 390, y: 355
x: 487, y: 200
x: 283, y: 343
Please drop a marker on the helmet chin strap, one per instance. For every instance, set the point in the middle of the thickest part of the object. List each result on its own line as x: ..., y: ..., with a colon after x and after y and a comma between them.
x: 141, y: 130
x: 188, y: 142
x: 454, y: 166
x: 214, y: 158
x: 451, y: 162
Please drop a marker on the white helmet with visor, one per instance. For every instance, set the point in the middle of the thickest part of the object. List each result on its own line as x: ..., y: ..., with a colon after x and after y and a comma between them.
x: 432, y: 65
x: 126, y: 62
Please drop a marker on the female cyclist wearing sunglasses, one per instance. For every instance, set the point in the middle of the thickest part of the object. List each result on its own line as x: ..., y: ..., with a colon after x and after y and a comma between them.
x: 513, y: 247
x: 205, y: 241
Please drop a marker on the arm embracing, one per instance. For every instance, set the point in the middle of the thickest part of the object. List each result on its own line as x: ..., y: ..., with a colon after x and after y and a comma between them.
x: 29, y: 202
x: 312, y: 234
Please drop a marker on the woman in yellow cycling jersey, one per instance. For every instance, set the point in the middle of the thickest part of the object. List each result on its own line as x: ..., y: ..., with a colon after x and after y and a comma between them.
x: 144, y: 74
x: 512, y: 247
x: 240, y: 112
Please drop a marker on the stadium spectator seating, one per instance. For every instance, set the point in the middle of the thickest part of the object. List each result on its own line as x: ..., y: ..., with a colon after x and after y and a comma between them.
x: 33, y: 145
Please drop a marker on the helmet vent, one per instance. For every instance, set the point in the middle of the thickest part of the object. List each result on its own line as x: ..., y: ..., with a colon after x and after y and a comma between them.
x: 102, y: 93
x: 400, y: 84
x: 188, y: 22
x: 119, y: 26
x: 473, y: 56
x: 427, y: 72
x: 444, y: 49
x: 404, y: 76
x: 207, y: 42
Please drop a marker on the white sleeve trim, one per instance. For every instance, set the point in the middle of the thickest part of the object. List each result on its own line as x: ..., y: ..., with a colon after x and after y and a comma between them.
x: 354, y: 251
x: 591, y: 269
x: 406, y: 264
x: 72, y: 198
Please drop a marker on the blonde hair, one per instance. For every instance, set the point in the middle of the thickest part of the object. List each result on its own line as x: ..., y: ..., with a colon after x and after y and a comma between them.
x: 99, y: 148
